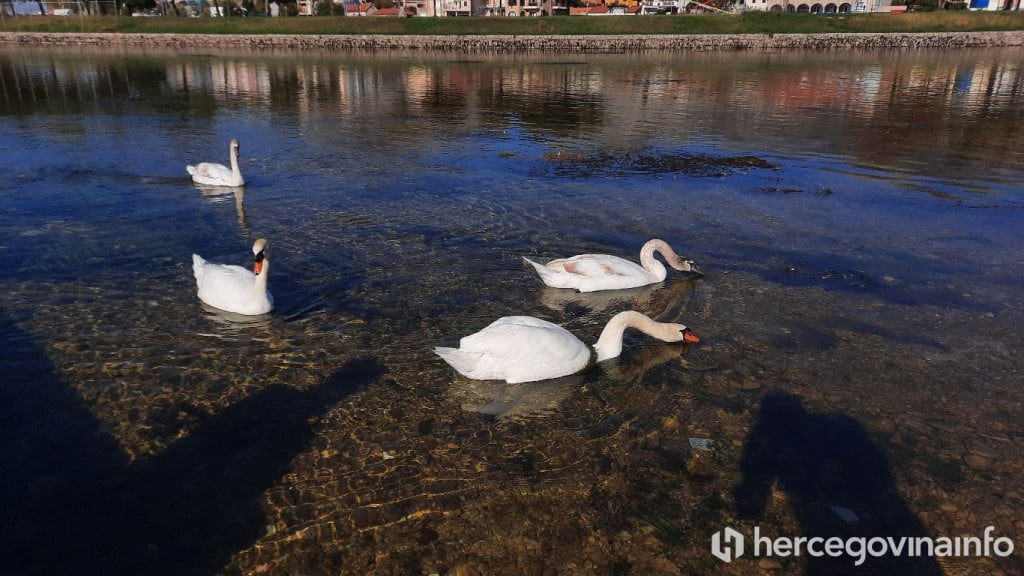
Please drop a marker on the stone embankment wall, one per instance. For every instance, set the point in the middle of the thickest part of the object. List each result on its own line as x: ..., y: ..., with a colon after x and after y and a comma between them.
x: 520, y: 44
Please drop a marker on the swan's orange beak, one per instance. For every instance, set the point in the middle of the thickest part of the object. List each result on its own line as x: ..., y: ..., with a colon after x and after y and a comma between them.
x: 689, y: 337
x: 257, y: 267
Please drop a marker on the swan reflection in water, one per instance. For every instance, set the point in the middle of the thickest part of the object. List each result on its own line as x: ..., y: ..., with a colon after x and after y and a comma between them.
x: 513, y: 401
x: 222, y: 193
x: 633, y: 368
x: 231, y: 325
x: 653, y: 298
x: 518, y: 402
x: 232, y: 322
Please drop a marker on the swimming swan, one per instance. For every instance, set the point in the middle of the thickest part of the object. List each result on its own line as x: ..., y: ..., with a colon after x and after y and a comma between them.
x: 213, y: 174
x: 593, y: 272
x: 234, y: 288
x: 526, y: 349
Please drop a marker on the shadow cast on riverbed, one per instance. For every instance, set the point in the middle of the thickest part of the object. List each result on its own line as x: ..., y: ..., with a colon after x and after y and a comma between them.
x: 73, y: 504
x: 837, y: 482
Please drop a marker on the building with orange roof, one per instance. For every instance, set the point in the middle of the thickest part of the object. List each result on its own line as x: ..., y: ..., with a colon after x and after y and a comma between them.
x: 360, y: 9
x: 516, y: 8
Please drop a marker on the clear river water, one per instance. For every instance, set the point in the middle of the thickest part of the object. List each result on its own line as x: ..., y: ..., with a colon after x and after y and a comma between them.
x: 857, y: 216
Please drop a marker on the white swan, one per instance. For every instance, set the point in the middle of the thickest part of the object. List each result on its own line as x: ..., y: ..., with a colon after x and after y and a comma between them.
x: 213, y: 174
x: 593, y: 272
x: 526, y: 349
x: 234, y: 288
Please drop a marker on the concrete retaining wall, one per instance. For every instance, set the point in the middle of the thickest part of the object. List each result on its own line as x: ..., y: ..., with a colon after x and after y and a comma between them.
x: 520, y: 44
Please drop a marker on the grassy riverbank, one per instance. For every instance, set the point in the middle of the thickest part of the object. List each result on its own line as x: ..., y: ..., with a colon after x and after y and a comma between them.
x: 748, y: 23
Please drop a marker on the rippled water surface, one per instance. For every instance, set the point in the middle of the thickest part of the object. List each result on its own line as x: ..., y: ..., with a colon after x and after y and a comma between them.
x: 858, y: 217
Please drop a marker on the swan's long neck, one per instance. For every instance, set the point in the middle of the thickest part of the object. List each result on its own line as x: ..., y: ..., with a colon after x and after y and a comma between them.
x: 609, y: 345
x: 261, y: 279
x: 236, y: 172
x: 652, y: 264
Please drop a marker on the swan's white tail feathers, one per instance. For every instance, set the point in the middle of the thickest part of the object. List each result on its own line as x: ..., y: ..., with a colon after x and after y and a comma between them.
x: 198, y: 264
x: 191, y: 170
x: 543, y: 270
x: 463, y: 362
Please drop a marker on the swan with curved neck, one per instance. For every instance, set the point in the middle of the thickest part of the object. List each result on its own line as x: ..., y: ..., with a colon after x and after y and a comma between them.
x: 233, y: 288
x: 593, y: 272
x: 526, y: 349
x: 213, y: 174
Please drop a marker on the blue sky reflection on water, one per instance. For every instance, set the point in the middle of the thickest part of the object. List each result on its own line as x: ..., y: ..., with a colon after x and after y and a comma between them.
x: 857, y: 214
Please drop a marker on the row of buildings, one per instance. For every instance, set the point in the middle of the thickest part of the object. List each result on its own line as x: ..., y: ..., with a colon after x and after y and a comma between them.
x: 508, y: 8
x: 515, y: 8
x: 518, y: 8
x: 448, y: 8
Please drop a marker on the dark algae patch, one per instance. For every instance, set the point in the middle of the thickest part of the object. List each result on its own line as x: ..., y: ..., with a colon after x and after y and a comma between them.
x: 581, y: 164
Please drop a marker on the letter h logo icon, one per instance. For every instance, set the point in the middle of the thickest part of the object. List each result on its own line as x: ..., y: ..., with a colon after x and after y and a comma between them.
x: 732, y: 547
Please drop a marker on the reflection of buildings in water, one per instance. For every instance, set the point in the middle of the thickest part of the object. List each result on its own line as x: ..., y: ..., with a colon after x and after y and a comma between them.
x: 637, y: 103
x: 674, y: 84
x: 950, y: 83
x: 187, y: 77
x: 812, y: 89
x: 484, y: 91
x: 979, y: 87
x: 225, y: 79
x: 58, y: 84
x: 235, y: 79
x: 852, y: 102
x: 439, y: 92
x: 933, y: 81
x: 572, y: 80
x: 967, y: 86
x: 419, y: 83
x: 352, y: 90
x: 309, y: 82
x: 614, y: 107
x: 870, y: 84
x: 221, y: 193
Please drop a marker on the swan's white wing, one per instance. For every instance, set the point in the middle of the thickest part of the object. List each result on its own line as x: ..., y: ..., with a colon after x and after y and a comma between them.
x: 227, y: 276
x: 518, y: 349
x: 591, y: 272
x: 212, y: 174
x: 595, y: 265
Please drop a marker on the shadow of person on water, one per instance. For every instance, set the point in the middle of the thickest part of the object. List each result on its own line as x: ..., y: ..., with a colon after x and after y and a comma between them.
x: 828, y: 468
x: 74, y: 504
